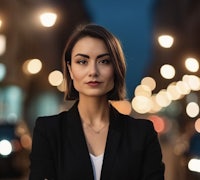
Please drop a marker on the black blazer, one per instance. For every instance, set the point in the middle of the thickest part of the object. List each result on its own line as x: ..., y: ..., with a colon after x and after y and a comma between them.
x: 59, y: 149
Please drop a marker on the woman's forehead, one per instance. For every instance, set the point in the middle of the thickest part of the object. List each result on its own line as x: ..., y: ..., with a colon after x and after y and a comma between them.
x: 88, y: 45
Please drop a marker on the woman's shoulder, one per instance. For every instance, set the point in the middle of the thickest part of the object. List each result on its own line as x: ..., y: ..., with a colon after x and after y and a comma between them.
x: 132, y: 120
x: 128, y: 118
x: 57, y: 121
x: 140, y: 128
x: 53, y: 116
x: 50, y: 121
x: 132, y: 123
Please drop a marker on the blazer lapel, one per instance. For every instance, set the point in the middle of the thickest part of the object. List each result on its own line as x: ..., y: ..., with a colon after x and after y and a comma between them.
x: 73, y: 132
x: 112, y: 144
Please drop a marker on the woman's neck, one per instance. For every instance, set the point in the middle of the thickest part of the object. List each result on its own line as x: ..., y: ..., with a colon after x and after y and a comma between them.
x: 94, y: 111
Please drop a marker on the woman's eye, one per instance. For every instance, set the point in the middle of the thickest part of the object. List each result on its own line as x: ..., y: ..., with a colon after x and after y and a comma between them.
x: 104, y: 61
x: 82, y: 62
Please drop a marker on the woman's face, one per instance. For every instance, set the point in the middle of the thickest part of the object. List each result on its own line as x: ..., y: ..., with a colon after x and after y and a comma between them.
x: 91, y: 68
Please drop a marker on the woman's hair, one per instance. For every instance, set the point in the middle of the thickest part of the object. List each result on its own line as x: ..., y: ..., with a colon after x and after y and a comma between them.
x: 116, y: 54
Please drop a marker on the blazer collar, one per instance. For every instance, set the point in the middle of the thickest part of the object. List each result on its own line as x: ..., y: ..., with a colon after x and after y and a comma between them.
x: 72, y: 128
x: 112, y: 144
x: 73, y: 133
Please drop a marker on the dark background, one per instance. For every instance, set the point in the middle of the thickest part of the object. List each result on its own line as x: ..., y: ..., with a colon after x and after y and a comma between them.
x: 137, y: 24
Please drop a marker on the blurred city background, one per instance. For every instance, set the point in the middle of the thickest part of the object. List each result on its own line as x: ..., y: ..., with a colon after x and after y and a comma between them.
x: 161, y: 41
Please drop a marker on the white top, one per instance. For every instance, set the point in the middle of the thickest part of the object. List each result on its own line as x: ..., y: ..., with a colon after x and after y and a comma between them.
x: 97, y: 162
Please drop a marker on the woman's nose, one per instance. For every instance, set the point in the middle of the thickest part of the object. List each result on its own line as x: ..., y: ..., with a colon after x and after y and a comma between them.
x: 93, y: 70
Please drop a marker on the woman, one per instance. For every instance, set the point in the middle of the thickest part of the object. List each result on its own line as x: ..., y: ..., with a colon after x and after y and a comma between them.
x: 92, y: 140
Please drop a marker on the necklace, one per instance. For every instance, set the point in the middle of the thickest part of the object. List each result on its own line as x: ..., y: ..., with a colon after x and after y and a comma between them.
x: 89, y: 126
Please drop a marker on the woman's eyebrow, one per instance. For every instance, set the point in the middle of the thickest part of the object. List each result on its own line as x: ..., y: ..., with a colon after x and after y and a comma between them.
x: 102, y: 55
x: 83, y: 55
x: 86, y: 56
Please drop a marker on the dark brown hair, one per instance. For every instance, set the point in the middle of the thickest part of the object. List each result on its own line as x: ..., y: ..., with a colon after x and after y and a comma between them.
x: 117, y: 57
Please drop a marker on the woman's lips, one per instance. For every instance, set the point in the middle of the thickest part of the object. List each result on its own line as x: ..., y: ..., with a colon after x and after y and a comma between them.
x: 93, y: 83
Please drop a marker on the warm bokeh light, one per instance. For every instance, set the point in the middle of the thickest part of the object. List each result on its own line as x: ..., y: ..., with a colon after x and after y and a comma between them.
x: 62, y: 87
x: 150, y: 82
x: 194, y: 165
x: 163, y: 98
x: 182, y: 87
x: 26, y: 141
x: 167, y: 71
x: 166, y: 41
x: 0, y: 23
x: 173, y: 92
x: 158, y: 122
x: 193, y: 82
x: 123, y: 107
x: 5, y: 147
x: 48, y: 19
x: 155, y: 106
x: 20, y: 130
x: 2, y: 71
x: 142, y: 104
x: 2, y: 44
x: 55, y: 78
x: 192, y: 109
x: 197, y: 125
x: 192, y: 64
x: 143, y: 90
x: 32, y: 66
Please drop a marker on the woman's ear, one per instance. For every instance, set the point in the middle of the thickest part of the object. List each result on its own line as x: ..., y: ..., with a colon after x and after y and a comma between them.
x: 70, y: 70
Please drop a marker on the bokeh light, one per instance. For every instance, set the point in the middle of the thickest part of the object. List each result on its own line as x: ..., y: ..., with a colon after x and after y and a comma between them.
x: 123, y: 107
x: 155, y: 106
x: 62, y: 87
x: 2, y: 44
x: 55, y: 78
x: 26, y: 141
x: 142, y: 104
x: 32, y: 66
x: 173, y: 92
x: 192, y: 109
x: 183, y: 88
x: 194, y: 165
x: 143, y: 90
x: 193, y: 82
x: 166, y: 41
x: 158, y: 122
x: 5, y: 147
x: 48, y: 19
x: 150, y: 82
x: 163, y: 98
x: 192, y: 64
x: 167, y: 71
x: 197, y: 125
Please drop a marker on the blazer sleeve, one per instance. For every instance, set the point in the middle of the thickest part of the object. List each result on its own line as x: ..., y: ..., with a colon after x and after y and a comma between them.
x: 153, y: 168
x: 41, y: 166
